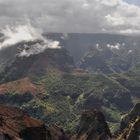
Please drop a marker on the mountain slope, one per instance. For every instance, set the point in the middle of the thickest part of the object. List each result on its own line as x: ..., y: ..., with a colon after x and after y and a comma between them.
x: 37, y: 65
x: 49, y: 86
x: 78, y: 44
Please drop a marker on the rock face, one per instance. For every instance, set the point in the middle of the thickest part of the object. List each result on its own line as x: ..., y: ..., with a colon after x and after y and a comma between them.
x: 17, y: 125
x: 130, y: 125
x: 132, y: 132
x: 93, y: 126
x: 130, y: 117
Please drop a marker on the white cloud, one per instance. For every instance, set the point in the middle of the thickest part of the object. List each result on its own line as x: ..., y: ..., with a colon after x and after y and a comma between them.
x: 74, y: 15
x: 109, y: 2
x: 116, y: 46
x: 26, y: 33
x: 115, y: 20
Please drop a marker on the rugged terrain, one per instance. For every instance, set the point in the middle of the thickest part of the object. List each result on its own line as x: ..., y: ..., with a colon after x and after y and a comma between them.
x: 16, y: 124
x: 90, y: 71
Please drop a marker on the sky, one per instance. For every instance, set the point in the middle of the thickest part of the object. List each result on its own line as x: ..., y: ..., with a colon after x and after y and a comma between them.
x: 137, y: 2
x: 80, y: 16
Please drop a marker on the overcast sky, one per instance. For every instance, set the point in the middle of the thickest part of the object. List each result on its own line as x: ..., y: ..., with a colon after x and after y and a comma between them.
x: 86, y: 16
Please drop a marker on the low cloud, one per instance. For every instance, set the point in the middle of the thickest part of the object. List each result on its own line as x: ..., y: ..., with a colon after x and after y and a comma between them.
x: 25, y: 34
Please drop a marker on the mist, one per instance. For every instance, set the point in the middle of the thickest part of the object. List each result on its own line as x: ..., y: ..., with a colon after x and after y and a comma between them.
x: 13, y: 35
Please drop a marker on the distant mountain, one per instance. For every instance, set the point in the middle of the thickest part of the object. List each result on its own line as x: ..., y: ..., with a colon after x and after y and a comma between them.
x: 36, y: 65
x: 111, y: 58
x: 106, y: 53
x: 79, y: 46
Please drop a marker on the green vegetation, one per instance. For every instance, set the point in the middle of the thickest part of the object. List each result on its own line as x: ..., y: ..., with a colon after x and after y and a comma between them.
x: 67, y: 95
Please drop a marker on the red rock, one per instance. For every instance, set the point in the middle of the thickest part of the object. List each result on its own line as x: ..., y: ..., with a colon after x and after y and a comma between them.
x: 21, y: 86
x: 15, y: 124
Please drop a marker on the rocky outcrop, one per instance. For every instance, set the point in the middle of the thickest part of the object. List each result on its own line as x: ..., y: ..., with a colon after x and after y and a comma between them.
x: 93, y: 126
x: 132, y: 132
x: 17, y: 125
x: 130, y: 117
x: 130, y: 125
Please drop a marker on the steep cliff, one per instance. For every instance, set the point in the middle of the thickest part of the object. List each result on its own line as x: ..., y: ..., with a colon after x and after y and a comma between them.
x: 17, y: 125
x: 93, y: 126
